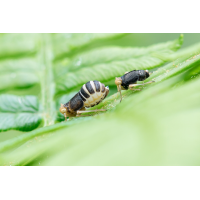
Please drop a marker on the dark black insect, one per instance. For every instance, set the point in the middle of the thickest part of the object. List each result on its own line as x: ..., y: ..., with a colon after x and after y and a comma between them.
x: 91, y: 94
x: 129, y: 80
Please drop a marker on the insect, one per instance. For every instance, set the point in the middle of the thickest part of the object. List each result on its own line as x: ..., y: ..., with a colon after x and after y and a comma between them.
x: 91, y: 94
x: 129, y: 80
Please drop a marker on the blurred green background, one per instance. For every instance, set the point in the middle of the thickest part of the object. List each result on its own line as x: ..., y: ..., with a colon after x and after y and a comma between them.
x: 130, y: 40
x: 146, y: 39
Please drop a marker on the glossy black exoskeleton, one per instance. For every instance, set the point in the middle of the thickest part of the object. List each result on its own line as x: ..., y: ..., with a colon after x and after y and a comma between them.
x: 129, y: 80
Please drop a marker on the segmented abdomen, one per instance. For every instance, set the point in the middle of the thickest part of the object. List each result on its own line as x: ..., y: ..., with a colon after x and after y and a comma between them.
x: 93, y: 92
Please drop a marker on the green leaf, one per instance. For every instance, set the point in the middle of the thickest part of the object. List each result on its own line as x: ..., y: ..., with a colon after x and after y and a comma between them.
x: 158, y: 125
x: 18, y: 73
x: 187, y: 52
x: 67, y: 42
x: 110, y: 54
x: 145, y: 58
x: 192, y: 74
x: 40, y: 132
x: 174, y: 70
x: 14, y: 45
x: 128, y: 141
x: 19, y: 113
x: 126, y: 114
x: 104, y: 72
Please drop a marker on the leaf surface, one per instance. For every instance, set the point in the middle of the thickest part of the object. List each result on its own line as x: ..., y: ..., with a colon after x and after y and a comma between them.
x: 19, y: 113
x: 114, y: 62
x: 15, y: 45
x: 158, y: 125
x: 110, y: 54
x: 129, y: 142
x: 67, y: 42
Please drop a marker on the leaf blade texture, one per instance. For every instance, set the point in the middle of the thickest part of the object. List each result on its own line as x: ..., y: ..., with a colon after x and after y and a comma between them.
x: 131, y: 59
x: 19, y: 112
x: 158, y: 125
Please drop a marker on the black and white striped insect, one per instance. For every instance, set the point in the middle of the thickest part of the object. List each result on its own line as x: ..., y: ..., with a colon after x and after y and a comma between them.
x: 129, y: 80
x: 91, y: 94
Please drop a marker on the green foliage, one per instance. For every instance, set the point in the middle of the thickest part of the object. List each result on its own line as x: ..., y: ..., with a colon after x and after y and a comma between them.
x: 109, y: 54
x: 20, y: 113
x: 22, y: 72
x: 113, y: 62
x: 17, y: 45
x: 155, y: 126
x: 69, y: 42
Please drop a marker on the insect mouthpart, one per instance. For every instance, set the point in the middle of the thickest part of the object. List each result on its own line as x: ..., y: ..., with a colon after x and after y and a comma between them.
x: 62, y: 109
x: 118, y: 81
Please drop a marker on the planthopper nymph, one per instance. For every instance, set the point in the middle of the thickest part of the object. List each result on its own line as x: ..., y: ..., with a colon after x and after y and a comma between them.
x: 129, y: 80
x: 90, y: 94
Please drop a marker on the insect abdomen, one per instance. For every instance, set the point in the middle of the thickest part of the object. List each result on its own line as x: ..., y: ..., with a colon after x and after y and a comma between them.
x: 92, y: 93
x: 129, y: 78
x: 133, y: 76
x: 76, y: 103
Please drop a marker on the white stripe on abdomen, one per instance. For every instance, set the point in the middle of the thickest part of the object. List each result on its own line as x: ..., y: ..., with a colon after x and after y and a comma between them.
x: 94, y: 98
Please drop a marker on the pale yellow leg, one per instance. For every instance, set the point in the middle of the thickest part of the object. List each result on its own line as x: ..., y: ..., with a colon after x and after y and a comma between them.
x: 87, y: 111
x: 134, y: 85
x: 65, y: 115
x: 83, y: 115
x: 130, y: 88
x: 119, y: 90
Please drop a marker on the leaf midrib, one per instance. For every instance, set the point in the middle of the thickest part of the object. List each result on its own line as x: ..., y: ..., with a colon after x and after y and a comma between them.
x: 47, y: 83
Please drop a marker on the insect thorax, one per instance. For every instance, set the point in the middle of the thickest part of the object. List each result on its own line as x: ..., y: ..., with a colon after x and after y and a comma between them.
x: 132, y: 77
x: 129, y: 78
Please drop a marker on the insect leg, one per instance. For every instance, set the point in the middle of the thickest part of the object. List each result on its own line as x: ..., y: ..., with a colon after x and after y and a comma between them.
x: 130, y: 88
x: 65, y: 115
x: 118, y: 82
x: 149, y: 82
x: 83, y: 115
x: 119, y: 90
x: 134, y: 85
x: 87, y: 111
